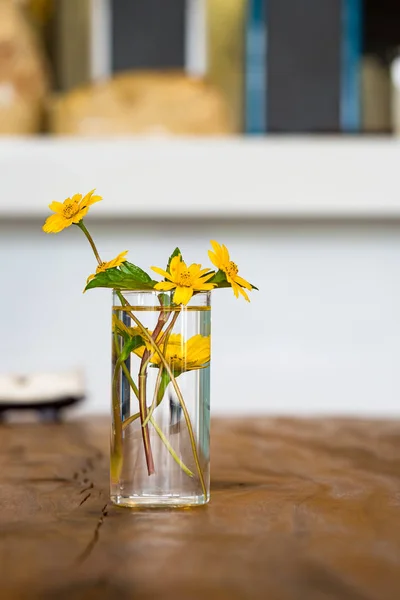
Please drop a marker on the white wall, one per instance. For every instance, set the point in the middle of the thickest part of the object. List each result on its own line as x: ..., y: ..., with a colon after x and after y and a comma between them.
x: 321, y: 336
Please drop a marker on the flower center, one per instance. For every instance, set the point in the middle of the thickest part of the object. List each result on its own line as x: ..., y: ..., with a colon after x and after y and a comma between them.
x: 70, y: 209
x: 232, y: 269
x: 185, y: 279
x: 176, y: 361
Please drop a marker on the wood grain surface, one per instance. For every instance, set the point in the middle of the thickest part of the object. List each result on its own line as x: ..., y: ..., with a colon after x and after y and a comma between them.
x: 300, y: 510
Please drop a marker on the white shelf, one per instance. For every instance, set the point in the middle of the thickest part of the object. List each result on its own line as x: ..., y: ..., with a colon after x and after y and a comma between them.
x: 201, y: 178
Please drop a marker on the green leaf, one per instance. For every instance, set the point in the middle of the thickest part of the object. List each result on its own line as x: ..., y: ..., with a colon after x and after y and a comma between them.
x: 130, y: 341
x: 118, y: 280
x: 135, y: 342
x: 165, y: 299
x: 165, y: 380
x: 176, y: 252
x: 220, y: 279
x: 136, y: 272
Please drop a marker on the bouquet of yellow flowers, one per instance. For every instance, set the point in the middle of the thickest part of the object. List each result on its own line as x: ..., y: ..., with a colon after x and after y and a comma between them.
x: 160, y: 351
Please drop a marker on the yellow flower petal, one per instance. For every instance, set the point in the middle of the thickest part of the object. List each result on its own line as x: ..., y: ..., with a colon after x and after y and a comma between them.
x: 216, y: 247
x: 244, y: 294
x: 56, y: 207
x: 165, y: 286
x: 243, y: 282
x: 183, y: 295
x: 214, y: 259
x: 90, y: 199
x: 225, y: 254
x: 206, y: 287
x: 55, y: 224
x: 235, y: 288
x: 176, y: 264
x: 115, y: 262
x: 204, y: 271
x: 194, y: 270
x: 205, y: 278
x: 79, y: 215
x: 140, y: 351
x: 161, y: 272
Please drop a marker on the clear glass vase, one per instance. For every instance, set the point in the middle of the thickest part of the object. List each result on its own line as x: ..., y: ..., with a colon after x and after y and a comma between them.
x: 160, y: 399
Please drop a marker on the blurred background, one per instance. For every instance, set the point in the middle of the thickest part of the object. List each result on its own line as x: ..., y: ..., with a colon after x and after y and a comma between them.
x: 270, y: 126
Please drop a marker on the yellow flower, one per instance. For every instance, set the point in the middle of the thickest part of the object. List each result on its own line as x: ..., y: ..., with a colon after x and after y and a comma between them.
x: 181, y: 356
x: 72, y: 210
x: 115, y: 262
x: 221, y: 259
x: 185, y: 279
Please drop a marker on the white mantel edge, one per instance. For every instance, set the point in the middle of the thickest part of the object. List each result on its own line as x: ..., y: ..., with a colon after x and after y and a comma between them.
x: 235, y: 178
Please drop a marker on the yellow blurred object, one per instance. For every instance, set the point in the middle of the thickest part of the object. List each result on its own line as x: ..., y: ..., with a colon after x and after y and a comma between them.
x: 142, y: 103
x: 41, y: 10
x: 23, y: 74
x: 225, y: 39
x: 73, y: 35
x: 375, y: 94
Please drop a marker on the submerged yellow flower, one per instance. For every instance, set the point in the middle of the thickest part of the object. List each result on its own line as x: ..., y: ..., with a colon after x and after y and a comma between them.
x: 115, y: 262
x: 72, y: 210
x: 185, y: 279
x: 181, y: 356
x: 221, y: 259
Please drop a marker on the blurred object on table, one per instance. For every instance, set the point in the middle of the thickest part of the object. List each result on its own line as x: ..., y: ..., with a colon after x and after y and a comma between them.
x: 375, y: 94
x: 23, y: 73
x: 302, y: 63
x: 72, y: 43
x: 142, y: 103
x: 148, y: 35
x: 92, y: 39
x: 226, y: 22
x: 281, y: 66
x: 48, y: 394
x: 40, y: 10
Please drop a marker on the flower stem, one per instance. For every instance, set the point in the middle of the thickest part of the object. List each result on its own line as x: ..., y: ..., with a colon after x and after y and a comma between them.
x: 142, y: 394
x: 156, y: 427
x: 117, y: 415
x: 154, y: 402
x: 116, y: 454
x: 129, y: 420
x: 164, y: 339
x: 170, y: 449
x: 82, y: 226
x: 145, y: 430
x: 176, y: 387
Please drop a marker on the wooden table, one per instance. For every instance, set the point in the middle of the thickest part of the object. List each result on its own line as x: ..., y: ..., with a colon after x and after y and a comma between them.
x: 300, y: 510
